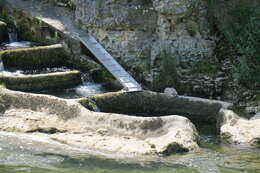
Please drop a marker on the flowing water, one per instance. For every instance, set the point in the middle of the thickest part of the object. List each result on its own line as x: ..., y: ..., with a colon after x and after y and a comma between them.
x: 1, y: 66
x: 12, y: 36
x: 84, y: 90
x: 20, y: 44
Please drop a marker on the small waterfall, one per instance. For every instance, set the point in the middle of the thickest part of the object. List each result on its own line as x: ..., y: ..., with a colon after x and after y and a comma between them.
x: 12, y: 35
x: 1, y: 65
x: 89, y: 89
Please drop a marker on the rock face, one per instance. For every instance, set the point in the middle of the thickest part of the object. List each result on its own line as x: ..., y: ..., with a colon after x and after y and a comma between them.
x: 238, y: 130
x: 135, y: 32
x: 68, y: 121
x: 3, y: 32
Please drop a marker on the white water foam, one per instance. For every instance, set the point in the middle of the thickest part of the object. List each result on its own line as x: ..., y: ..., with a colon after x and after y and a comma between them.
x: 16, y: 73
x: 89, y: 89
x: 1, y: 66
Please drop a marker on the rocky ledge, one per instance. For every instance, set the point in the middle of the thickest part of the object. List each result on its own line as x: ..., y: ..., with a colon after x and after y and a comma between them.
x: 69, y: 122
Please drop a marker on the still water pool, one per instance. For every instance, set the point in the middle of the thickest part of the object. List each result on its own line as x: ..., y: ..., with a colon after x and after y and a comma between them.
x: 29, y: 153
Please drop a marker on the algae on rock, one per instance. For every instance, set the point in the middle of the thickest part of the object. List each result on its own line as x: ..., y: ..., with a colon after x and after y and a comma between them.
x: 35, y: 58
x: 39, y: 82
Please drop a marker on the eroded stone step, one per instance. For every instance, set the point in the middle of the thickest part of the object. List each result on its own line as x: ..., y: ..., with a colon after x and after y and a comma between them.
x: 38, y: 82
x: 34, y: 58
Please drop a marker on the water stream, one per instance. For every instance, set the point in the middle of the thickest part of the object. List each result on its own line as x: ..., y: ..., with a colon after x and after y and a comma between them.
x: 84, y: 90
x: 12, y: 35
x: 1, y: 66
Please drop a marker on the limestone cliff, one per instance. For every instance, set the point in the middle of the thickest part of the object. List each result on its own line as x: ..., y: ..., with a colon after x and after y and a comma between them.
x: 136, y: 31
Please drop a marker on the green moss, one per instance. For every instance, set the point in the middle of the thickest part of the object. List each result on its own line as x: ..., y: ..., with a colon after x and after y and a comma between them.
x: 147, y: 103
x: 97, y: 72
x: 30, y: 28
x: 175, y: 148
x: 89, y: 104
x: 42, y: 81
x: 35, y: 58
x: 11, y: 129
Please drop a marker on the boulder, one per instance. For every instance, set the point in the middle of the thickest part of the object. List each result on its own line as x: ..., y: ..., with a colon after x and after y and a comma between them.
x: 170, y: 92
x: 39, y: 82
x: 252, y: 110
x: 3, y: 32
x: 238, y: 130
x: 256, y: 116
x: 69, y: 122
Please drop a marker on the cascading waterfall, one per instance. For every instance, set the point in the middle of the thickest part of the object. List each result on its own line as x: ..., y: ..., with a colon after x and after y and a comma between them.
x: 12, y: 35
x: 1, y: 65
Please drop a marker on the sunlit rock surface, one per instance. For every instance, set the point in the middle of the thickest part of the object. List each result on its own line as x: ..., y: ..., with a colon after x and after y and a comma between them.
x: 69, y: 122
x: 239, y: 130
x: 135, y: 32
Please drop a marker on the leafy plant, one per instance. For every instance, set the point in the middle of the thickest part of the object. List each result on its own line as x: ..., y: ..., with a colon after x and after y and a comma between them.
x: 99, y: 7
x: 168, y: 76
x: 238, y: 21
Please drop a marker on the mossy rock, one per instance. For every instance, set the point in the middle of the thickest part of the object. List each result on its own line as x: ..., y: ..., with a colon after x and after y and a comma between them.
x: 3, y: 32
x: 35, y: 58
x: 147, y: 103
x: 40, y: 82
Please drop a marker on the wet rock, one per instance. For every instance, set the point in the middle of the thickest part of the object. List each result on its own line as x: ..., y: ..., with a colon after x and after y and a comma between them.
x: 69, y: 122
x: 252, y: 110
x: 35, y: 58
x: 39, y: 82
x: 3, y: 32
x: 159, y: 104
x: 170, y: 92
x: 238, y: 130
x: 256, y: 116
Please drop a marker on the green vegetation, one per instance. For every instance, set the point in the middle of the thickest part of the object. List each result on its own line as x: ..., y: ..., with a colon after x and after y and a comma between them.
x: 35, y: 58
x: 3, y: 32
x: 238, y: 22
x: 99, y: 7
x: 205, y: 66
x: 168, y: 76
x: 5, y: 17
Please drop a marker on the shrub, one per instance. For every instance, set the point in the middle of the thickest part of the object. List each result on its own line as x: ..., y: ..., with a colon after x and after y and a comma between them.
x: 238, y: 21
x: 168, y: 76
